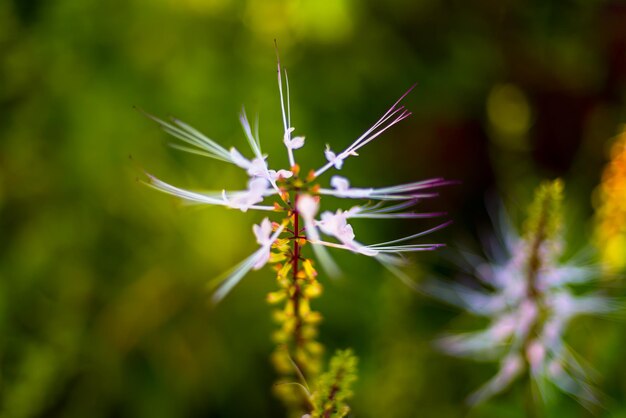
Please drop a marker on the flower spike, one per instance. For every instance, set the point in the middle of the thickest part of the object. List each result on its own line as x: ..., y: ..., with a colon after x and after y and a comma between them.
x: 293, y: 194
x: 529, y: 298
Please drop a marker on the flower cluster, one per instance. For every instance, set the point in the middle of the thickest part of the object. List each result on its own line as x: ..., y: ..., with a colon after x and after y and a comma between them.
x: 529, y: 297
x: 611, y: 211
x: 296, y: 196
x: 296, y: 199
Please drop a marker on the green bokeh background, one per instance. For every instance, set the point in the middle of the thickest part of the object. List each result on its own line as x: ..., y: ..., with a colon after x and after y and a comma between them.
x: 103, y: 282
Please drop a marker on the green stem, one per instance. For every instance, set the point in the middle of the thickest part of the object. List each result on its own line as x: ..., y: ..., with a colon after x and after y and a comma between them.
x: 531, y: 407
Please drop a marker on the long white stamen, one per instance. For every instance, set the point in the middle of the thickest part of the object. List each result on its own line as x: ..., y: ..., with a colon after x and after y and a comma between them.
x: 239, y: 271
x: 199, y: 197
x: 389, y: 212
x: 406, y: 248
x: 286, y: 115
x: 373, y: 194
x: 410, y: 215
x: 288, y: 100
x: 193, y: 137
x: 379, y: 208
x: 409, y: 191
x: 374, y: 250
x: 419, y: 234
x: 370, y: 134
x: 197, y: 152
x: 255, y: 145
x: 378, y: 211
x: 201, y: 137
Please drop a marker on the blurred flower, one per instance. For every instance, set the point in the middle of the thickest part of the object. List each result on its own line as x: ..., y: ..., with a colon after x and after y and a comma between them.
x: 529, y: 300
x: 610, y: 234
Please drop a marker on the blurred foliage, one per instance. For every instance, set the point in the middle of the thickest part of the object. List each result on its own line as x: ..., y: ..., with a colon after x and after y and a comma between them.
x: 103, y: 302
x: 611, y: 208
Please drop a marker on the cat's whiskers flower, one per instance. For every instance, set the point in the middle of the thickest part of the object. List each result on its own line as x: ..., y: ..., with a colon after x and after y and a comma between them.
x: 296, y: 200
x: 529, y: 301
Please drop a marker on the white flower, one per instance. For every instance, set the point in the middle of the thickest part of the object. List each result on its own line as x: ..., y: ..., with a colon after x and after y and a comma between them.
x: 308, y: 206
x: 257, y: 187
x: 256, y: 168
x: 242, y: 200
x: 263, y: 234
x: 340, y: 184
x: 293, y: 143
x: 280, y: 174
x: 255, y: 261
x: 336, y: 224
x: 332, y: 158
x: 263, y: 231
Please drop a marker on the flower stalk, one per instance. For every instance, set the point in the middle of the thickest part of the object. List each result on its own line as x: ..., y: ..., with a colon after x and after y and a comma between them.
x: 298, y: 354
x: 542, y: 225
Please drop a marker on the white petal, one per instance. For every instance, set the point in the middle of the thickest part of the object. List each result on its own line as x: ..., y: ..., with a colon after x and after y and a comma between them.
x: 258, y: 184
x: 335, y: 224
x: 510, y: 368
x: 258, y: 167
x: 285, y: 174
x: 262, y: 259
x: 308, y: 206
x: 239, y: 159
x: 288, y: 133
x: 536, y: 354
x: 296, y: 142
x: 330, y: 156
x: 333, y: 158
x: 257, y: 188
x: 256, y: 261
x: 341, y: 184
x: 263, y: 231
